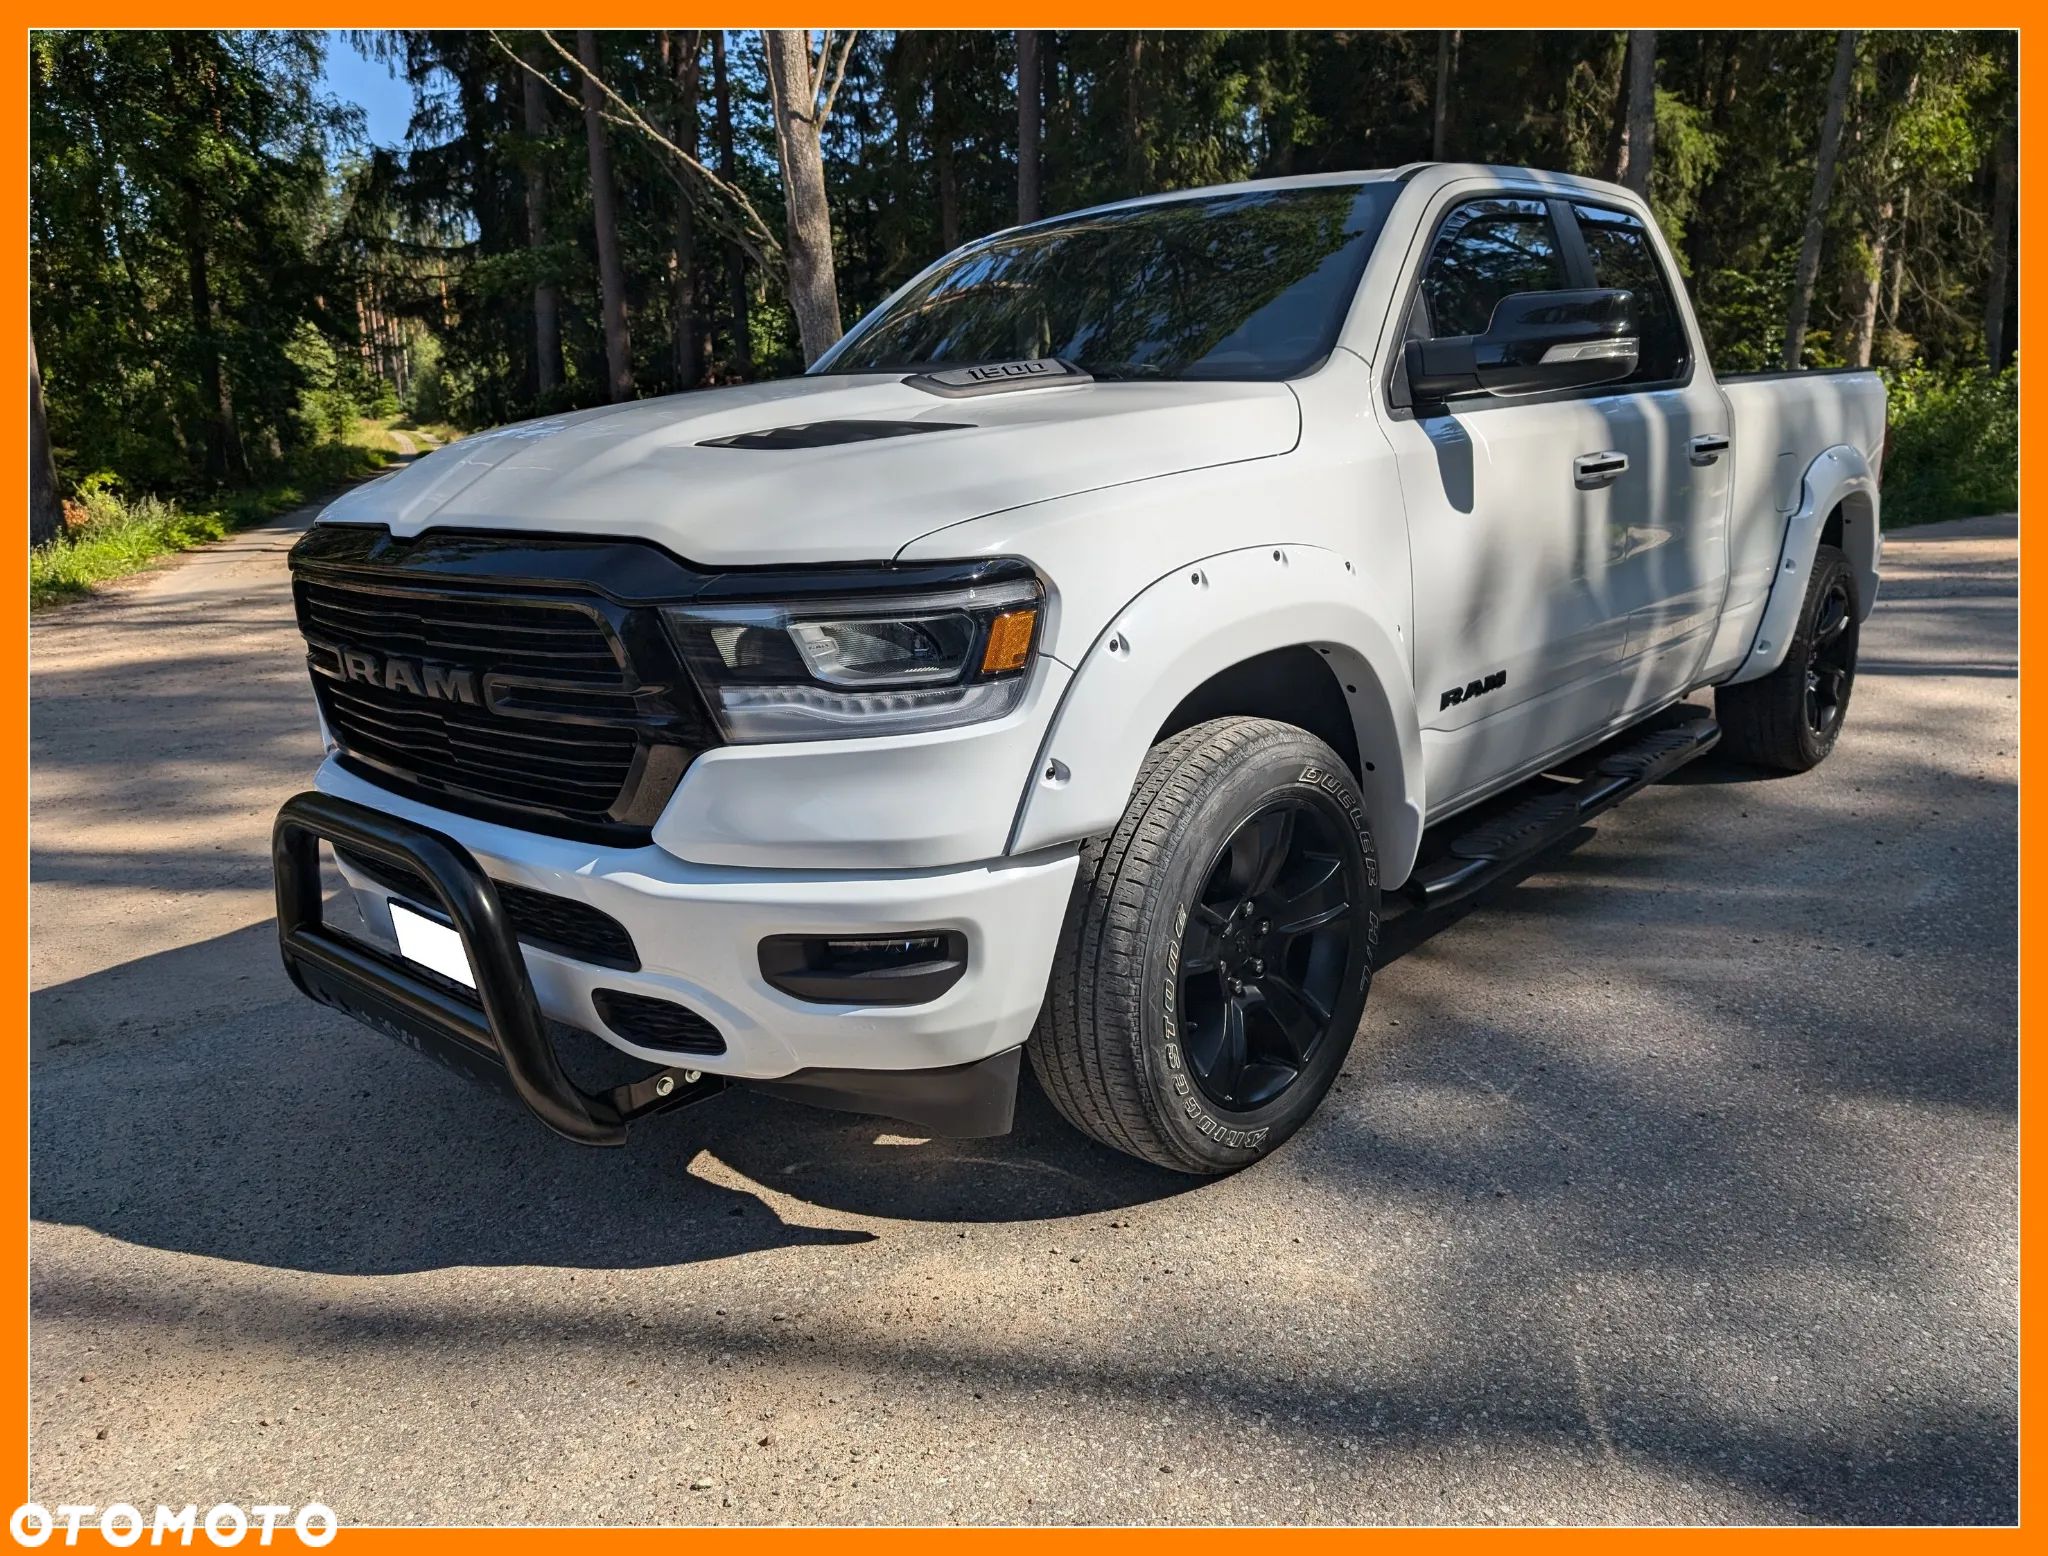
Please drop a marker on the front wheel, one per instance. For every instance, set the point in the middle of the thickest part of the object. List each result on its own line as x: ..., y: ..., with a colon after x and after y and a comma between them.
x: 1218, y: 950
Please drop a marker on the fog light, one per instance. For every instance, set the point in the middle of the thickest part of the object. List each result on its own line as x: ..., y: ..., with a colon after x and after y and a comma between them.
x: 865, y: 969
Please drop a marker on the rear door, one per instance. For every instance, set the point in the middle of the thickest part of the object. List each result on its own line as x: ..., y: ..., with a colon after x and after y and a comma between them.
x: 1520, y: 631
x: 1667, y: 538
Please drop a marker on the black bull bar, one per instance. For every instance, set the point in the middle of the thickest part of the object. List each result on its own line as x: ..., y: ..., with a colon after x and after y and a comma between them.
x: 501, y: 1036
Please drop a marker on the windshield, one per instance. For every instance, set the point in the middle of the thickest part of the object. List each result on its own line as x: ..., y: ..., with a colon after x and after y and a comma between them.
x: 1248, y: 286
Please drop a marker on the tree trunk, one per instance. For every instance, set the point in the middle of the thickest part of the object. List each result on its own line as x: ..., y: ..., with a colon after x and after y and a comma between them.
x: 611, y: 273
x: 686, y: 348
x: 1723, y: 96
x: 795, y: 94
x: 547, y: 296
x: 1029, y: 99
x: 225, y: 459
x: 1136, y: 114
x: 742, y: 364
x: 45, y: 510
x: 1823, y: 191
x: 949, y: 191
x: 1869, y: 289
x: 1440, y: 109
x: 1996, y: 351
x: 1895, y: 283
x: 1639, y: 136
x: 1884, y: 235
x: 1617, y: 117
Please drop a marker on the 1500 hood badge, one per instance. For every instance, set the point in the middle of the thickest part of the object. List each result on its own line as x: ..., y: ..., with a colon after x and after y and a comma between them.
x: 997, y: 377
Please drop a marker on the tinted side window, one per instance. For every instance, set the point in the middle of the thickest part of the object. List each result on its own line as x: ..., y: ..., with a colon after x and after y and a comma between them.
x: 1484, y: 251
x: 1622, y: 256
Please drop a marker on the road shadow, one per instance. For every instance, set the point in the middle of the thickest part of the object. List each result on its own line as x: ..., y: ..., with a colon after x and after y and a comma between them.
x: 301, y: 1140
x: 1679, y: 1216
x: 194, y: 1101
x: 1677, y: 1190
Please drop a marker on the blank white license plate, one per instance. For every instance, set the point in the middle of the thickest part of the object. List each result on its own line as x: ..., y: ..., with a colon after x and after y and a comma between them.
x: 430, y: 943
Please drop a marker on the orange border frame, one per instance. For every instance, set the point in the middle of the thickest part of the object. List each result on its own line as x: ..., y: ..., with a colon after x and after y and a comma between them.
x: 1759, y: 14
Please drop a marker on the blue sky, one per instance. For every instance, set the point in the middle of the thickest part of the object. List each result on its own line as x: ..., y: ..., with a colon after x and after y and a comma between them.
x: 386, y: 101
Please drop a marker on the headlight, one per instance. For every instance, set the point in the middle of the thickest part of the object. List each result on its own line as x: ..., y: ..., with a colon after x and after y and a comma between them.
x: 836, y: 669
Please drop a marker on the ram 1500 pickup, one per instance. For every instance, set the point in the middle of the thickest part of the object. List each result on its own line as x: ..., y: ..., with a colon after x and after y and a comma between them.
x: 1070, y: 667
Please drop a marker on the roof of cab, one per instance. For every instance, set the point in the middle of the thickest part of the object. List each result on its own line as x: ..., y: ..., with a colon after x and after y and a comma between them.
x: 1564, y: 182
x: 1247, y: 186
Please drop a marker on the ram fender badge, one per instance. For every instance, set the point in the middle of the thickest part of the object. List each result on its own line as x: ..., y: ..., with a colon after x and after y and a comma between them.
x: 1457, y: 694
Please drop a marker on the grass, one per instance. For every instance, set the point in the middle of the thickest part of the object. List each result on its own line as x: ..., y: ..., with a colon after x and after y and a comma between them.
x: 374, y: 432
x: 377, y: 432
x: 429, y: 431
x: 108, y: 535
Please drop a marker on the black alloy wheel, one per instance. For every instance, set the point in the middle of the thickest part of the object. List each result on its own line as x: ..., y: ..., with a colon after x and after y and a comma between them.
x: 1831, y: 658
x: 1217, y: 954
x: 1790, y: 718
x: 1263, y: 957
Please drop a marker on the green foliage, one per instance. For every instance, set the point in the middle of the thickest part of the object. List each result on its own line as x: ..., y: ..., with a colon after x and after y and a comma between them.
x: 1742, y: 313
x: 342, y: 282
x: 117, y: 536
x: 1955, y: 442
x: 429, y: 399
x: 327, y: 403
x: 1688, y: 152
x: 177, y: 182
x: 110, y: 534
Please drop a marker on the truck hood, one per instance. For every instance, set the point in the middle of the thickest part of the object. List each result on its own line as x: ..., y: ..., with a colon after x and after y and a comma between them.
x: 652, y: 470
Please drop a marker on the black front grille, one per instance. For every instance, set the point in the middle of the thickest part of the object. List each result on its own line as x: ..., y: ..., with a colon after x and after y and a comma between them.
x: 657, y: 1023
x: 543, y: 704
x: 539, y: 918
x: 554, y: 637
x: 579, y: 772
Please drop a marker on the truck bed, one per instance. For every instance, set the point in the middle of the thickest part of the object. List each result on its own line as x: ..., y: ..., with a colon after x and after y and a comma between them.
x: 1780, y: 423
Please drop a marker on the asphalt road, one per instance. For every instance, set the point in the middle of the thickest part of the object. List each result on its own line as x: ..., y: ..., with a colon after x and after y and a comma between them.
x: 1676, y: 1182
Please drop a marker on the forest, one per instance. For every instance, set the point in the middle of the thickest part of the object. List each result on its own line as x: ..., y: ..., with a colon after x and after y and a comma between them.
x: 229, y: 283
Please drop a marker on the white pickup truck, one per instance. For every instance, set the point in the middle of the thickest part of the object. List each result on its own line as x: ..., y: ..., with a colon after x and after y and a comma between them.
x: 1069, y: 666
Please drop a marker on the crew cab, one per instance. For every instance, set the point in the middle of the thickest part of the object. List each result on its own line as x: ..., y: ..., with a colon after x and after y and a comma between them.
x: 1070, y: 668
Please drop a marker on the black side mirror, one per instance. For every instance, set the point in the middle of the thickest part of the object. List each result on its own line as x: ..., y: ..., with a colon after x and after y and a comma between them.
x: 1534, y: 341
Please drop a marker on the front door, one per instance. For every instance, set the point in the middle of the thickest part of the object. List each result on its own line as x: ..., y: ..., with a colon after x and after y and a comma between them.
x: 1567, y: 551
x: 1517, y: 631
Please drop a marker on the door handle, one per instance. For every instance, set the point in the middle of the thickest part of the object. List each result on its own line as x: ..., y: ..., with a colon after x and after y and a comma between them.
x: 1708, y: 447
x: 1603, y: 469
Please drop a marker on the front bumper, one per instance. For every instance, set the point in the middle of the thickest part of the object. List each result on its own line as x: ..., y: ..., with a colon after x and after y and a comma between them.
x: 698, y: 930
x: 500, y: 1037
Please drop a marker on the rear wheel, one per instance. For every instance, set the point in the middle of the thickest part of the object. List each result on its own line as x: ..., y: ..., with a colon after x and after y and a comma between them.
x: 1791, y: 718
x: 1218, y: 950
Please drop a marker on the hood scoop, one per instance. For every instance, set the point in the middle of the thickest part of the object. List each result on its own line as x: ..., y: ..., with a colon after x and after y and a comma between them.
x: 827, y: 434
x: 998, y: 377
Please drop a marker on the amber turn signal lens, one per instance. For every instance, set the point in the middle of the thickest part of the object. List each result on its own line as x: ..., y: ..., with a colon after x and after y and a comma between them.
x: 1009, y: 641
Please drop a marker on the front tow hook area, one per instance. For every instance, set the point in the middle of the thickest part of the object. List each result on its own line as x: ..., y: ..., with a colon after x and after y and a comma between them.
x: 497, y: 1036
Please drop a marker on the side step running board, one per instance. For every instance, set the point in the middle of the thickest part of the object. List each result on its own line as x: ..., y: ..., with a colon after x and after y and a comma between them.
x: 1479, y: 857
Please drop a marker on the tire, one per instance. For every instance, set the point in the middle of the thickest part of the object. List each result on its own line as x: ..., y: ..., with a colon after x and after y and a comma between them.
x: 1791, y: 718
x: 1135, y: 1045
